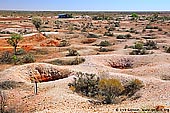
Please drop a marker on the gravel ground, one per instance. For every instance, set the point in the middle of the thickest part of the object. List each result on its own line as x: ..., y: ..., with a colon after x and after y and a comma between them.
x: 56, y: 97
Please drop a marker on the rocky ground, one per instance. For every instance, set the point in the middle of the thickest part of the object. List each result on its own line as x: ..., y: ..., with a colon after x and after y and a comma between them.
x: 54, y: 95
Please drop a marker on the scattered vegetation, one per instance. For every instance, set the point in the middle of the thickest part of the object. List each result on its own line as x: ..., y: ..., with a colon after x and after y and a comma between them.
x: 167, y: 49
x: 139, y: 52
x: 64, y: 43
x: 6, y: 85
x: 149, y: 45
x: 104, y: 43
x: 91, y: 35
x: 20, y: 52
x: 6, y: 58
x: 28, y: 58
x: 107, y: 91
x: 108, y: 34
x: 74, y: 61
x: 134, y: 15
x: 72, y: 52
x: 151, y: 27
x: 140, y: 49
x: 124, y: 36
x: 37, y: 23
x: 132, y: 87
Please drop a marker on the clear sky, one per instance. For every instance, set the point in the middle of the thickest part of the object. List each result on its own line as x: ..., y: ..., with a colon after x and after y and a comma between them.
x: 111, y: 5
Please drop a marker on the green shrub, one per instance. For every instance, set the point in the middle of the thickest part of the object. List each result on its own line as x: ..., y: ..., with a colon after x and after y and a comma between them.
x: 15, y: 59
x: 90, y: 35
x: 20, y: 52
x: 151, y: 27
x: 64, y: 43
x: 138, y: 45
x: 108, y: 34
x: 120, y: 37
x: 132, y: 87
x: 139, y: 52
x: 5, y: 85
x: 6, y: 57
x: 148, y: 27
x: 127, y: 36
x: 109, y: 89
x: 150, y: 45
x: 28, y: 59
x: 74, y: 61
x: 106, y: 91
x: 134, y: 15
x: 72, y: 52
x: 104, y: 43
x: 86, y: 84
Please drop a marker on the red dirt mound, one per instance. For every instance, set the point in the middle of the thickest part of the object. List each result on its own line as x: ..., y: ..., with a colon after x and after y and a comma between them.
x: 33, y: 39
x: 50, y: 42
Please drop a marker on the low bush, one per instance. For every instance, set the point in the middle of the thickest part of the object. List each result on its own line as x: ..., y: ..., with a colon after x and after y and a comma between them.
x: 72, y: 52
x: 6, y: 58
x: 132, y: 87
x: 5, y: 85
x: 106, y: 91
x: 122, y: 63
x: 138, y: 45
x: 120, y: 37
x: 90, y: 35
x: 108, y: 34
x: 86, y: 84
x: 148, y: 27
x: 28, y: 58
x: 20, y: 52
x: 139, y: 52
x: 110, y: 89
x: 104, y: 43
x: 74, y: 61
x: 151, y: 27
x: 149, y: 45
x: 64, y: 43
x: 167, y: 49
x: 127, y: 36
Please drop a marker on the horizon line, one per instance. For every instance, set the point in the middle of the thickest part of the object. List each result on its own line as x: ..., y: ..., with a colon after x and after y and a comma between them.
x: 89, y: 10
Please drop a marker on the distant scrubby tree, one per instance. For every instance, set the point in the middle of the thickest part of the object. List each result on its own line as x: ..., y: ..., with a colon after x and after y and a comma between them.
x: 37, y: 23
x: 14, y: 40
x: 134, y: 15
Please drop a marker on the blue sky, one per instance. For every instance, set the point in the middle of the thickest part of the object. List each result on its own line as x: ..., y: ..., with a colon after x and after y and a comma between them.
x: 118, y: 5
